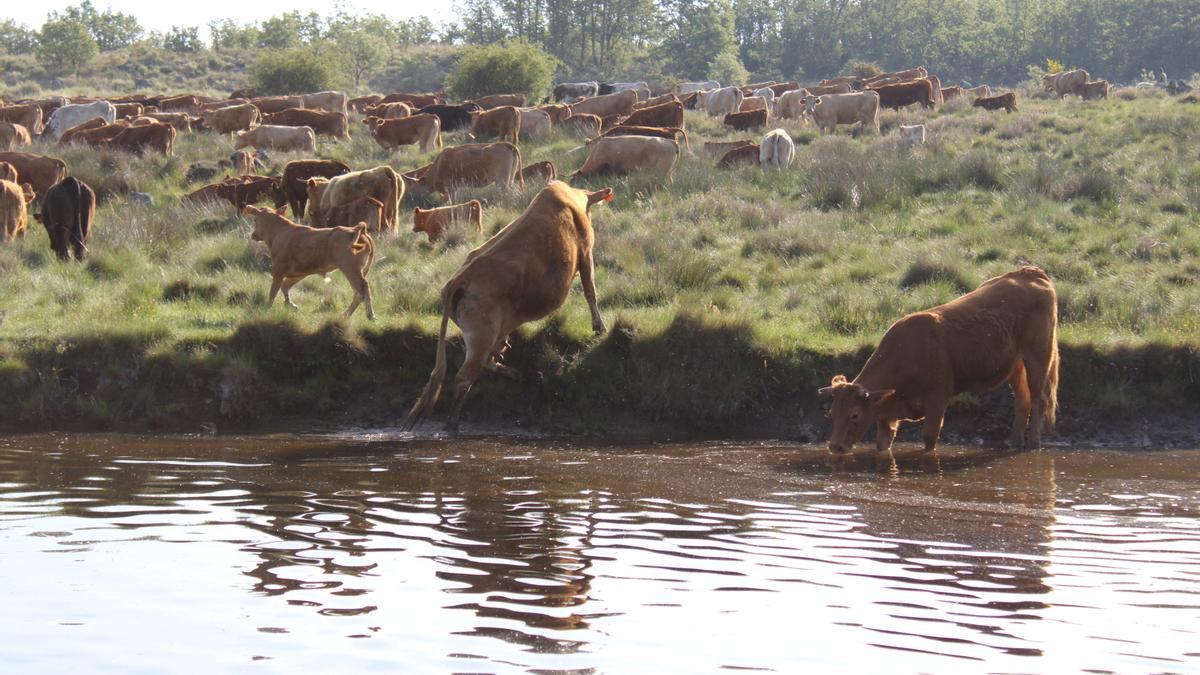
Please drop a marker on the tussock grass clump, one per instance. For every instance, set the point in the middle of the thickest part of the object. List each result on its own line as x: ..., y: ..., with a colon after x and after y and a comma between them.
x: 927, y: 271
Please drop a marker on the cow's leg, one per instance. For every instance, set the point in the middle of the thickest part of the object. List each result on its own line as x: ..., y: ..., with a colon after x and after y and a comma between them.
x: 276, y: 282
x: 587, y: 277
x: 286, y: 286
x: 495, y: 362
x: 362, y: 291
x: 479, y: 339
x: 1037, y: 371
x: 1021, y: 404
x: 935, y: 413
x: 885, y: 434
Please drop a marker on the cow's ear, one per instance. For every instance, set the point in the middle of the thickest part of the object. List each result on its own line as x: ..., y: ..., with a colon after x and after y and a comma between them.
x: 838, y: 379
x: 604, y: 195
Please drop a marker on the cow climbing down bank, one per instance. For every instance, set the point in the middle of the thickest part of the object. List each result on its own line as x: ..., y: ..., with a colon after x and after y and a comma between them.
x: 521, y: 274
x: 1003, y: 331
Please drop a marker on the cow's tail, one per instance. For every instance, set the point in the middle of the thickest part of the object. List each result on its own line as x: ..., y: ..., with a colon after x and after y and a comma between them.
x: 363, y: 241
x: 1050, y: 415
x: 77, y: 231
x: 519, y: 177
x: 581, y: 147
x: 686, y: 146
x: 433, y: 388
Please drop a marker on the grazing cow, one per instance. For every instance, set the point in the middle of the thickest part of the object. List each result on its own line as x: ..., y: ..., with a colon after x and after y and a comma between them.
x: 689, y: 87
x: 585, y: 124
x: 663, y: 115
x: 1003, y: 331
x: 499, y: 101
x: 721, y: 148
x: 365, y: 210
x: 28, y: 116
x: 417, y: 101
x: 93, y: 132
x: 381, y: 183
x: 753, y: 103
x: 841, y: 88
x: 539, y: 171
x: 423, y: 130
x: 1095, y: 89
x: 745, y: 155
x: 1068, y: 82
x: 453, y: 117
x: 503, y: 123
x: 657, y: 100
x: 298, y: 251
x: 302, y: 139
x: 232, y: 119
x: 13, y: 136
x: 184, y: 104
x: 981, y: 90
x: 1006, y: 102
x: 751, y: 119
x: 274, y: 104
x: 833, y: 109
x: 624, y: 155
x: 721, y: 102
x: 619, y: 103
x: 951, y: 93
x: 137, y: 139
x: 294, y: 182
x: 332, y: 124
x: 245, y: 162
x: 181, y: 121
x: 521, y: 274
x: 558, y: 112
x: 776, y: 150
x: 67, y: 212
x: 912, y: 134
x: 39, y: 171
x: 240, y: 191
x: 361, y: 103
x: 76, y: 113
x: 435, y: 222
x: 328, y: 101
x: 129, y: 110
x: 610, y: 121
x: 389, y: 111
x: 573, y: 91
x: 473, y: 165
x: 896, y: 96
x: 534, y: 123
x: 14, y: 213
x: 673, y: 133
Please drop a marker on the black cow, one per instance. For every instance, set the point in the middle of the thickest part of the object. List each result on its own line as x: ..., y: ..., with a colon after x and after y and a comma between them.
x: 453, y: 117
x: 67, y: 212
x: 606, y: 88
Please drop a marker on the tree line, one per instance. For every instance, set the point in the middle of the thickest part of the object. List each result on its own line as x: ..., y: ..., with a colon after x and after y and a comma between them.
x: 992, y: 41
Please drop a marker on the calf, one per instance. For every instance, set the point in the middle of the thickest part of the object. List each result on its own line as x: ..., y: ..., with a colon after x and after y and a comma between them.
x: 67, y: 212
x: 743, y: 155
x: 1007, y: 102
x: 422, y: 129
x: 503, y: 123
x: 298, y: 251
x: 14, y: 212
x: 539, y: 171
x: 1095, y: 89
x: 435, y: 222
x: 751, y: 119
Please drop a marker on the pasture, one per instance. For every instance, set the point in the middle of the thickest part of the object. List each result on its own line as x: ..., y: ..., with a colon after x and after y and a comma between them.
x: 730, y: 295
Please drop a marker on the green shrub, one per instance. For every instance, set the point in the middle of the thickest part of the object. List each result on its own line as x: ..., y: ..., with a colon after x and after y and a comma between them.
x: 292, y: 71
x: 510, y: 68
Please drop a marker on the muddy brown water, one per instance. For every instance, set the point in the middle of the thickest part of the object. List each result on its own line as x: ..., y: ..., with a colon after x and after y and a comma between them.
x: 373, y: 553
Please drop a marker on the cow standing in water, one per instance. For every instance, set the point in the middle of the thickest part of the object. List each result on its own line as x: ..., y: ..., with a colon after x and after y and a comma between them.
x: 1003, y: 331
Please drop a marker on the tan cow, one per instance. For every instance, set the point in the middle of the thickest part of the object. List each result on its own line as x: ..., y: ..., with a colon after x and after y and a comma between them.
x: 833, y: 109
x: 542, y: 171
x: 722, y: 148
x: 366, y: 210
x: 951, y: 93
x: 423, y: 130
x: 232, y: 119
x: 657, y: 100
x: 623, y: 155
x: 1069, y: 82
x: 13, y: 136
x: 721, y: 102
x: 137, y: 139
x: 389, y: 111
x: 332, y: 124
x: 185, y: 103
x: 361, y: 103
x: 302, y: 139
x: 298, y: 251
x: 750, y: 103
x: 328, y: 101
x: 28, y: 116
x: 982, y: 90
x: 1003, y: 331
x: 620, y: 103
x: 39, y: 171
x: 14, y: 213
x: 1096, y: 89
x: 435, y: 222
x: 499, y: 101
x: 822, y: 90
x: 381, y: 183
x: 558, y: 112
x: 473, y: 165
x: 181, y: 121
x: 534, y: 123
x: 521, y: 274
x: 790, y: 105
x: 586, y: 125
x: 273, y: 104
x: 503, y: 122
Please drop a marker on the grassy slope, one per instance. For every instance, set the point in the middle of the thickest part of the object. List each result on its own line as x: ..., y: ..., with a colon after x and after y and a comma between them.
x: 732, y: 294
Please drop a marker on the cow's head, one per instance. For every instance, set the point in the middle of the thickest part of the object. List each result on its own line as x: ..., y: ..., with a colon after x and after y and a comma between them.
x: 602, y: 195
x: 260, y: 222
x: 853, y: 410
x: 27, y: 193
x: 316, y: 188
x: 808, y: 104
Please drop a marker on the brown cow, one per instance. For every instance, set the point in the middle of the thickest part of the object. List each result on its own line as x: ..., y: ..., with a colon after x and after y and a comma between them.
x: 422, y: 129
x: 521, y: 274
x: 366, y: 210
x: 137, y: 139
x: 361, y: 103
x: 274, y: 137
x: 389, y: 111
x: 14, y: 214
x: 1003, y: 331
x: 720, y: 148
x: 673, y: 133
x: 1095, y: 89
x: 129, y: 109
x: 240, y: 191
x: 295, y: 177
x: 503, y: 123
x: 751, y: 119
x: 499, y: 101
x: 274, y: 104
x: 474, y: 165
x: 181, y: 121
x: 28, y: 116
x: 822, y: 90
x: 951, y: 93
x: 39, y: 171
x: 331, y: 124
x: 94, y: 132
x: 1006, y: 102
x: 539, y: 171
x: 626, y: 154
x: 558, y: 112
x: 417, y: 101
x: 781, y: 88
x: 186, y: 104
x: 435, y: 222
x: 663, y: 115
x: 743, y: 155
x: 896, y: 96
x: 381, y: 183
x: 232, y: 119
x: 298, y: 251
x: 657, y: 100
x: 13, y: 136
x: 67, y: 212
x: 620, y: 103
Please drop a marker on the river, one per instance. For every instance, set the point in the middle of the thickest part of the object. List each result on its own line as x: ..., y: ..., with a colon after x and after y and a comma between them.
x: 375, y: 553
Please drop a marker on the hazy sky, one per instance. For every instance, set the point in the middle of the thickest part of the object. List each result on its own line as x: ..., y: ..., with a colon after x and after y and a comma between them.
x: 163, y: 14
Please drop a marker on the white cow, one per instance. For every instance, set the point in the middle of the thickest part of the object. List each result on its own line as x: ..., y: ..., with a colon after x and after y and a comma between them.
x: 689, y: 87
x: 776, y: 150
x: 721, y: 102
x: 75, y: 114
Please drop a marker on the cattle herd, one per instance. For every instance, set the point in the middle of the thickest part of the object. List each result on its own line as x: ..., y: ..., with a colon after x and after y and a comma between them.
x: 525, y: 271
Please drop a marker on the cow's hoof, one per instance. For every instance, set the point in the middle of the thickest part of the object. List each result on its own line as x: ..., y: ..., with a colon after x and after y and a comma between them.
x: 370, y: 316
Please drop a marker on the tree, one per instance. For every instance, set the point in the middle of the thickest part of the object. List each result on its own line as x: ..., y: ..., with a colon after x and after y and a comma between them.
x: 292, y: 71
x: 111, y: 30
x: 281, y: 32
x: 509, y: 68
x: 228, y: 34
x: 727, y: 69
x: 360, y: 51
x: 182, y: 39
x: 16, y: 39
x: 66, y: 45
x: 697, y: 31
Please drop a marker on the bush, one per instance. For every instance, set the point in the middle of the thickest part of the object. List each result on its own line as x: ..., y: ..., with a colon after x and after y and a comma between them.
x: 865, y: 69
x: 509, y: 68
x: 728, y: 68
x: 292, y: 71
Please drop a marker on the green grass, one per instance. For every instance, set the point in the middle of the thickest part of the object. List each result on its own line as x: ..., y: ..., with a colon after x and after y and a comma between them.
x: 732, y: 293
